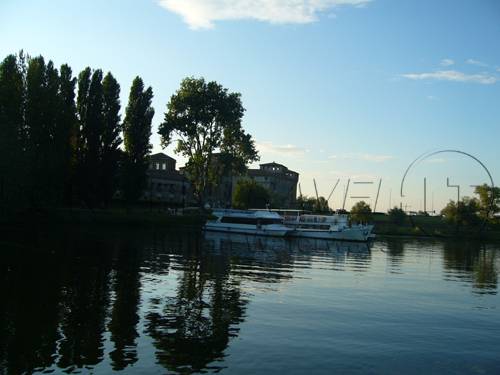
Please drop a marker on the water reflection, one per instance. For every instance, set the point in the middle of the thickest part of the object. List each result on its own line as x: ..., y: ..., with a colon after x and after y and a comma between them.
x: 473, y: 262
x: 75, y: 301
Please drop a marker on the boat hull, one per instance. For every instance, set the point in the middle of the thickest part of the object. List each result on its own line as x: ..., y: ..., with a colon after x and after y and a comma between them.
x: 350, y: 234
x: 265, y: 231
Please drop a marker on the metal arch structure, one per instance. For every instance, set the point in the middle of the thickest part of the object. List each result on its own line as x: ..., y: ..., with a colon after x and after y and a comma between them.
x: 428, y: 154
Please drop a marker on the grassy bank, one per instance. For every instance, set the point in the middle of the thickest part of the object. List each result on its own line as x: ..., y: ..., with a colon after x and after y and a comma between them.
x: 427, y: 226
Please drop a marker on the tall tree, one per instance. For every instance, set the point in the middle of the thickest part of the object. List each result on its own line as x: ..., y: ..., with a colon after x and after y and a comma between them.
x: 206, y: 118
x: 111, y: 140
x: 11, y: 124
x: 90, y: 108
x: 136, y: 133
x: 42, y: 82
x: 489, y: 200
x: 249, y: 194
x: 66, y: 133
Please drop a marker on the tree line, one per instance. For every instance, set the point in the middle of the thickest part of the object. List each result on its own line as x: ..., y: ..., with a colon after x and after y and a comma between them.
x: 63, y: 141
x: 61, y: 136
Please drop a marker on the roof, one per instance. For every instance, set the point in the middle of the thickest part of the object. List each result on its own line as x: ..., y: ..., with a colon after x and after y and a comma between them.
x: 160, y: 155
x: 273, y: 164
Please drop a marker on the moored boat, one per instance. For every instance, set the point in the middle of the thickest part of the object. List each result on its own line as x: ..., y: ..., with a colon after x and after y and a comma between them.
x: 329, y: 227
x: 262, y: 223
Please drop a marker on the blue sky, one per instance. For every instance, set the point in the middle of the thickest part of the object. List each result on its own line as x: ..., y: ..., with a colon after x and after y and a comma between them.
x: 333, y: 88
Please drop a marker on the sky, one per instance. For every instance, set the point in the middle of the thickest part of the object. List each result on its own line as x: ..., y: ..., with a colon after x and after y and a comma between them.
x: 336, y: 90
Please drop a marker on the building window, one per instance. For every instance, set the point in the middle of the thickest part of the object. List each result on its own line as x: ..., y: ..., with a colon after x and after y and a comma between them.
x: 164, y: 166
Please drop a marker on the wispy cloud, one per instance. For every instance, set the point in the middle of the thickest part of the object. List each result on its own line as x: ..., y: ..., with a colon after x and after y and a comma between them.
x: 453, y: 75
x: 364, y: 157
x: 288, y: 149
x: 447, y: 62
x: 202, y: 14
x: 476, y: 62
x: 436, y: 160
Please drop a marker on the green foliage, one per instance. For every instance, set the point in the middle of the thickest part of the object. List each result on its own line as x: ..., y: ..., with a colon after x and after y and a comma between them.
x: 463, y: 213
x: 397, y: 215
x: 361, y: 212
x: 205, y: 118
x: 11, y: 130
x: 66, y: 133
x: 312, y: 204
x: 111, y: 140
x: 249, y: 194
x: 489, y: 201
x: 137, y: 131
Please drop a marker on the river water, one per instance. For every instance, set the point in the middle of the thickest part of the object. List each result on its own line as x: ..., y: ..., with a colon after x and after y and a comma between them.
x: 179, y: 302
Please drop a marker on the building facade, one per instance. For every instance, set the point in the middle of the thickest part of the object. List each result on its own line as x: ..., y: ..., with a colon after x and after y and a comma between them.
x: 279, y: 180
x: 165, y: 184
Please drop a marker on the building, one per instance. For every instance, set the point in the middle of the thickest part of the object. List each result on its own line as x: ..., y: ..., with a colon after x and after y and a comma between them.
x: 279, y: 180
x: 165, y: 184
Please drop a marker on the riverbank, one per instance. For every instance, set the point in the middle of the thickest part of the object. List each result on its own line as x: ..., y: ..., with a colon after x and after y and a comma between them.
x: 432, y: 226
x: 105, y: 217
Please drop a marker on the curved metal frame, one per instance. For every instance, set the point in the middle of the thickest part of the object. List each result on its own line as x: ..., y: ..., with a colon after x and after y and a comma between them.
x: 426, y: 155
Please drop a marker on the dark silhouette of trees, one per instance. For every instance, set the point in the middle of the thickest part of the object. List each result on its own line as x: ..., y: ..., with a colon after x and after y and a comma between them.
x: 361, y: 212
x: 111, y: 140
x: 249, y: 194
x: 206, y: 119
x: 397, y: 215
x: 136, y: 133
x: 11, y: 129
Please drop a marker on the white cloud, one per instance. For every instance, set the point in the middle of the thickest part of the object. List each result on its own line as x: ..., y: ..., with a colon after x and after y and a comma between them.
x: 453, y: 75
x: 476, y: 62
x: 288, y: 149
x: 363, y: 157
x: 431, y: 97
x: 202, y: 14
x: 447, y: 62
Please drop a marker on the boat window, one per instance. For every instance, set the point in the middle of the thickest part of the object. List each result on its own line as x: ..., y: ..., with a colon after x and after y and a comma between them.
x: 239, y: 220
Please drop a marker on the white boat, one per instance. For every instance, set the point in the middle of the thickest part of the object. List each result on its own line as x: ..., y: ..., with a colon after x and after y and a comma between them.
x: 262, y: 223
x: 329, y: 227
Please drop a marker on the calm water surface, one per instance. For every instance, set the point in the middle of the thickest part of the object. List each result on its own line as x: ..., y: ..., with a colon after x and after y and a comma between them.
x: 147, y: 302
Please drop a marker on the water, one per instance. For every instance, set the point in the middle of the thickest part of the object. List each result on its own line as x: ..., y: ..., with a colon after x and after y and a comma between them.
x: 154, y: 303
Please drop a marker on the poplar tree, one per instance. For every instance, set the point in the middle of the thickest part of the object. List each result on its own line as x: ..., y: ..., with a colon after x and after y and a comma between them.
x: 90, y: 106
x: 111, y: 140
x: 66, y: 133
x: 11, y: 124
x: 136, y: 132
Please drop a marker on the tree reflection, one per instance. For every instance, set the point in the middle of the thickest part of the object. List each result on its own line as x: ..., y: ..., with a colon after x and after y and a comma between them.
x: 475, y: 262
x: 85, y: 299
x: 124, y: 315
x: 193, y: 328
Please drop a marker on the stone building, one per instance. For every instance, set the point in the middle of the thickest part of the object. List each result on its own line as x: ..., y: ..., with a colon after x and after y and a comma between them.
x: 165, y: 184
x: 279, y: 180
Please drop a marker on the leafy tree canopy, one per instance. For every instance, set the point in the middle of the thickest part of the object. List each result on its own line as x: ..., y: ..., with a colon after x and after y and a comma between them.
x: 397, y: 215
x: 205, y: 118
x: 361, y: 212
x: 489, y: 200
x: 463, y: 213
x: 249, y: 194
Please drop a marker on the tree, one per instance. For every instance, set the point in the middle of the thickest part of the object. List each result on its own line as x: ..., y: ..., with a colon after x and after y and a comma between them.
x: 361, y: 212
x: 111, y: 141
x: 206, y: 119
x: 489, y: 200
x: 11, y: 128
x: 397, y: 215
x: 41, y: 112
x: 249, y: 194
x: 136, y: 134
x: 463, y: 213
x: 312, y: 204
x: 66, y: 133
